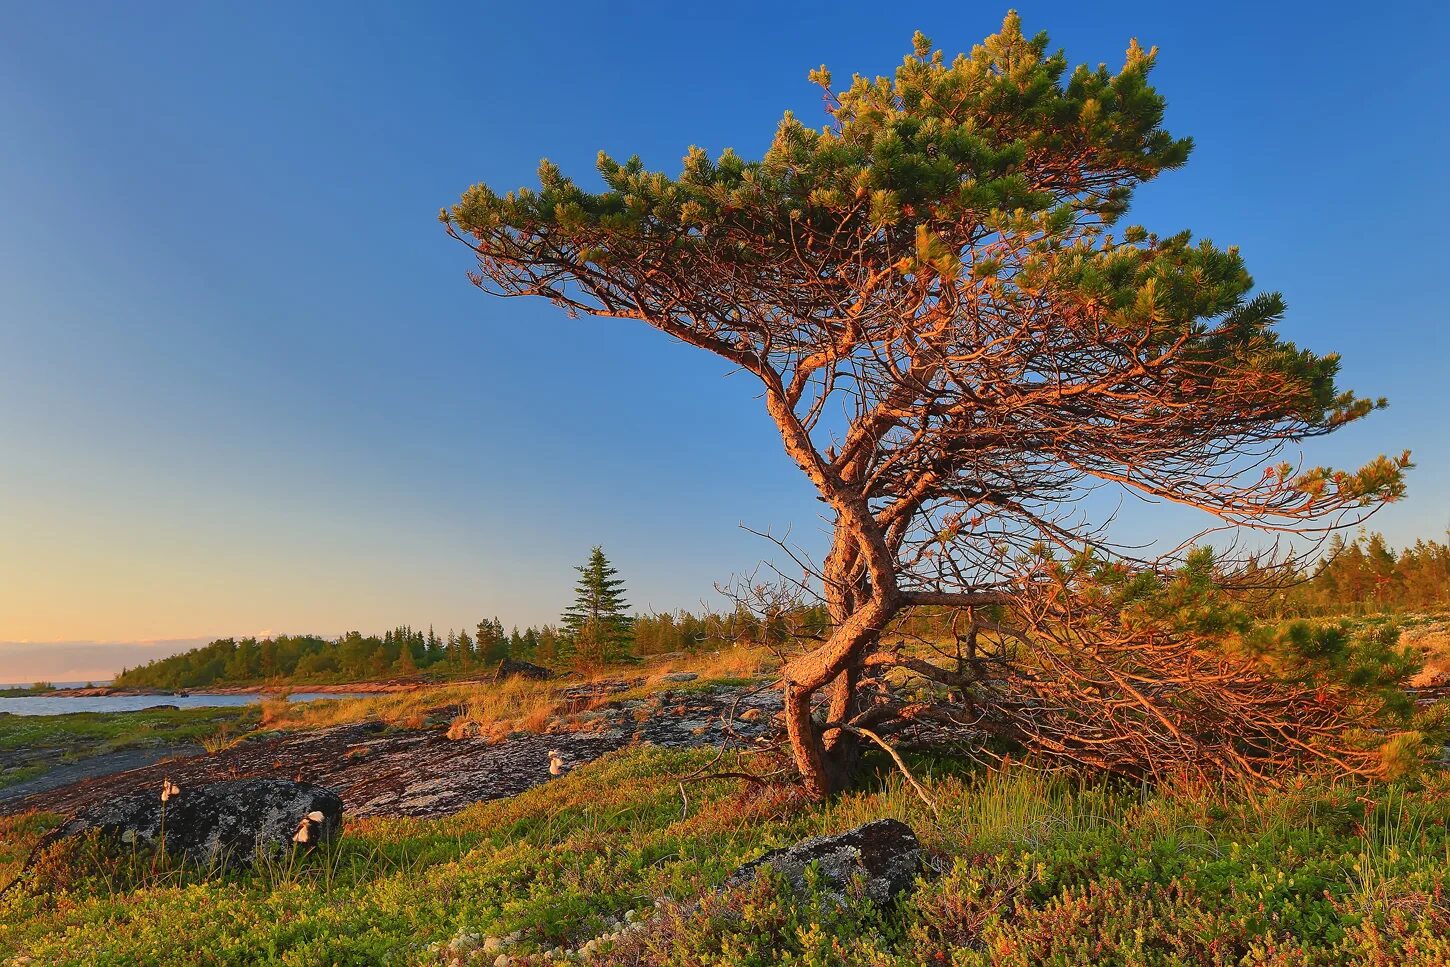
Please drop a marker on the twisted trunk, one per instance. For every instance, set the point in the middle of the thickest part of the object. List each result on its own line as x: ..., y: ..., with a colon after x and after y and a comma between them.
x: 860, y: 607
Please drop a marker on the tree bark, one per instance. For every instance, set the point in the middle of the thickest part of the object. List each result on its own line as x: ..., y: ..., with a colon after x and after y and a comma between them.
x: 825, y: 753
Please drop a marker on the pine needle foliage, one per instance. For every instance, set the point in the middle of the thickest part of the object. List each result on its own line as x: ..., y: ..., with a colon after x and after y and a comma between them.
x: 598, y: 624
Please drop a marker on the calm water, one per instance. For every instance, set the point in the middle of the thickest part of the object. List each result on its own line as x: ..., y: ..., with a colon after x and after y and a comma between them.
x: 41, y: 705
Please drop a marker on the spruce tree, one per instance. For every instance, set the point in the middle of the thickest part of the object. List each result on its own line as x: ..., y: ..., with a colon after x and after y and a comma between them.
x: 465, y: 650
x: 597, y: 624
x: 405, y: 665
x: 547, y: 648
x: 492, y: 644
x: 483, y: 635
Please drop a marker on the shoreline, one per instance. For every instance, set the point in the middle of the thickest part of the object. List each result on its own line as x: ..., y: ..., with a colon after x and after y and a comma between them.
x: 365, y: 688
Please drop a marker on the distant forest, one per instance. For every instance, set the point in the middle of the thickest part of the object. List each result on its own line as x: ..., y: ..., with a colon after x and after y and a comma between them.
x: 1358, y: 576
x: 404, y: 651
x: 1367, y: 576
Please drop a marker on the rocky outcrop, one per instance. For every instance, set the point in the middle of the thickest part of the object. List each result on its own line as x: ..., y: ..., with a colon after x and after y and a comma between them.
x: 61, y: 770
x: 509, y: 668
x: 221, y: 823
x: 102, y: 691
x: 577, y: 695
x: 383, y: 771
x: 885, y: 854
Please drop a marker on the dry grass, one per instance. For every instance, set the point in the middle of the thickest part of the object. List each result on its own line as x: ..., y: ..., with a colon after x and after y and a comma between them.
x: 738, y: 662
x: 513, y: 705
x: 406, y: 709
x: 493, y: 710
x: 1433, y: 642
x: 729, y: 665
x: 522, y: 705
x: 275, y: 710
x: 219, y: 741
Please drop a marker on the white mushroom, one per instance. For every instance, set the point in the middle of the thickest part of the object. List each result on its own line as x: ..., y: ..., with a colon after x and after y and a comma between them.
x: 304, y: 828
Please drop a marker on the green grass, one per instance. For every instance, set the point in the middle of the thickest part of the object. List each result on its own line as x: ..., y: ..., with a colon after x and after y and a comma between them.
x: 27, y: 691
x: 1035, y: 870
x: 89, y: 733
x: 1031, y: 869
x: 18, y: 774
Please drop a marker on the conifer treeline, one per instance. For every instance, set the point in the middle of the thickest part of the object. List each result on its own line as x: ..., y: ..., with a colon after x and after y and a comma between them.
x: 1366, y: 575
x: 1357, y: 576
x: 405, y: 651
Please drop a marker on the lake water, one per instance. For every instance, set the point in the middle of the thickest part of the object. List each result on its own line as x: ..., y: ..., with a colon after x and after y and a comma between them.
x: 42, y: 705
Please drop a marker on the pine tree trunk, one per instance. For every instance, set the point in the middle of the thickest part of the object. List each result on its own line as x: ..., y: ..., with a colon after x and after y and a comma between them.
x: 827, y: 755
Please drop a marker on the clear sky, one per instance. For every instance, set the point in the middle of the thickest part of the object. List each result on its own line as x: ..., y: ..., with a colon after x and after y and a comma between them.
x: 245, y: 386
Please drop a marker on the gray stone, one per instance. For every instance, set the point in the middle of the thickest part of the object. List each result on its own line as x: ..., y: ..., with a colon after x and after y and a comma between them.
x: 509, y: 668
x: 594, y: 691
x: 225, y: 823
x: 418, y: 772
x: 885, y: 854
x: 679, y: 677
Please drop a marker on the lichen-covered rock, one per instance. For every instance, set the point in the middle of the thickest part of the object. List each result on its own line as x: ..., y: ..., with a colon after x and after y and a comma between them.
x: 509, y: 668
x: 885, y: 854
x: 384, y: 771
x: 224, y: 823
x: 597, y: 690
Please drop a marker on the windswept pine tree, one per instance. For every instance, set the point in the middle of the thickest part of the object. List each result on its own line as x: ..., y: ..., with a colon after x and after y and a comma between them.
x: 958, y: 340
x: 597, y: 624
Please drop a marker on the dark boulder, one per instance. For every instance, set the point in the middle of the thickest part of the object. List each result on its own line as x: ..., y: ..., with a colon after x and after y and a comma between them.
x: 885, y: 854
x: 509, y: 668
x: 225, y: 823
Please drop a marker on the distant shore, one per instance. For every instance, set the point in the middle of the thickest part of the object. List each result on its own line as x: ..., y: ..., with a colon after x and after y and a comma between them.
x: 378, y: 687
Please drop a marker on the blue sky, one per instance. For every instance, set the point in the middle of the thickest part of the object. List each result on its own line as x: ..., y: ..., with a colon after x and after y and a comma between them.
x: 245, y: 386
